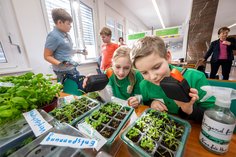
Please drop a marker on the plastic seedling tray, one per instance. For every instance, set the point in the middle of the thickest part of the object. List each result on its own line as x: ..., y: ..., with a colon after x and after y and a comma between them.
x: 75, y: 111
x: 16, y: 134
x: 34, y: 149
x: 157, y: 134
x: 109, y: 119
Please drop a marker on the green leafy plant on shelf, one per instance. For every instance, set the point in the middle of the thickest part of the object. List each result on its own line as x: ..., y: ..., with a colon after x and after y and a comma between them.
x: 29, y: 91
x: 147, y: 143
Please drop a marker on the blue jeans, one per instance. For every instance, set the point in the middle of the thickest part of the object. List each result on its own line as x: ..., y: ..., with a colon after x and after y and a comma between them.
x: 71, y: 74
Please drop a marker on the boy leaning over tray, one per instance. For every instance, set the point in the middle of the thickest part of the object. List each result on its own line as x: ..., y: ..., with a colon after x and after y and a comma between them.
x: 150, y: 56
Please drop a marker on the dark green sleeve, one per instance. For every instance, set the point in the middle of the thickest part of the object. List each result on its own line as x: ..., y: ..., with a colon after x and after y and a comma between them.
x: 139, y: 78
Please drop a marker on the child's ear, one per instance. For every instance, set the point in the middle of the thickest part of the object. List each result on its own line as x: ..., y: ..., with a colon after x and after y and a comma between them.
x: 168, y: 56
x: 59, y: 22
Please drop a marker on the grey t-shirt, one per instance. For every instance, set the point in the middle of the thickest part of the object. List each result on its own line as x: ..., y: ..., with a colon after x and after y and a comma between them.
x: 61, y: 45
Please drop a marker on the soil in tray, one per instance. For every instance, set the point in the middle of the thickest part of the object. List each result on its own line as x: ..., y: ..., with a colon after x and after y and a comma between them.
x: 136, y: 138
x: 99, y: 128
x: 107, y: 132
x: 120, y: 116
x: 163, y: 152
x: 114, y: 123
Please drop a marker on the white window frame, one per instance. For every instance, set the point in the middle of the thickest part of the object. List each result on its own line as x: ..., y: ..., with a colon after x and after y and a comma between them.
x: 13, y: 47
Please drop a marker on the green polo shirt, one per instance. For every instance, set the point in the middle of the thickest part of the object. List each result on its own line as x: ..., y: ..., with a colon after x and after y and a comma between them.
x: 119, y: 87
x: 195, y: 79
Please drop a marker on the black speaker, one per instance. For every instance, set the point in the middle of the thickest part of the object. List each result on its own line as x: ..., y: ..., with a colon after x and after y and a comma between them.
x: 176, y: 90
x: 96, y: 83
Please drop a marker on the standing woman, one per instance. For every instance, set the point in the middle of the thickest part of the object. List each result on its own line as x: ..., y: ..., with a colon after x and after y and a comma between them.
x: 222, y: 54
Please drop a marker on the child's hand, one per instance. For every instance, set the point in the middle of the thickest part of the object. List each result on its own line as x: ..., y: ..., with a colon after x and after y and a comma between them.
x: 85, y: 82
x: 188, y: 107
x: 133, y: 102
x: 158, y: 105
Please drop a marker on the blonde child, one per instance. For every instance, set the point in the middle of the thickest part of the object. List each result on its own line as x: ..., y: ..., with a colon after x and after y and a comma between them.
x: 123, y: 79
x: 150, y: 56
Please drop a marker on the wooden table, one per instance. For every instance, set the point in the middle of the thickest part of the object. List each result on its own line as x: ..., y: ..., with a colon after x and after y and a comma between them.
x: 192, y: 148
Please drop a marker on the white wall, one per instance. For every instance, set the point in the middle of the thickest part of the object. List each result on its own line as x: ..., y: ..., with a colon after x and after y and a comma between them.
x: 33, y: 30
x: 131, y: 20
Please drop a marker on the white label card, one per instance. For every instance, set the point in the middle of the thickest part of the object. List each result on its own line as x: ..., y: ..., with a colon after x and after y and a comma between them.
x: 68, y: 99
x: 92, y: 133
x: 56, y: 139
x: 6, y: 84
x: 36, y: 122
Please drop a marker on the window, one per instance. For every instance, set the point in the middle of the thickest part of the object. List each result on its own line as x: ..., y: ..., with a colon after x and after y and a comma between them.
x: 82, y: 31
x: 120, y: 30
x: 110, y: 22
x: 12, y: 53
x: 115, y: 22
x: 2, y: 55
x: 88, y: 29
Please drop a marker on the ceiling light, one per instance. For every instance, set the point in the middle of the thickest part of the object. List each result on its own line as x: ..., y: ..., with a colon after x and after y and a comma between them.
x: 232, y: 25
x: 158, y: 13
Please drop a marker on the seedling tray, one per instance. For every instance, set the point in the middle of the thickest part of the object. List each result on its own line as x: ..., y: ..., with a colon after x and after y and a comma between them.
x: 156, y: 133
x: 75, y: 111
x: 115, y: 115
x: 16, y: 134
x: 34, y: 149
x: 13, y: 134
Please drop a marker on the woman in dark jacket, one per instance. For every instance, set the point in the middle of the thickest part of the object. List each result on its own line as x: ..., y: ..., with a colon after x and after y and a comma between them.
x: 222, y: 53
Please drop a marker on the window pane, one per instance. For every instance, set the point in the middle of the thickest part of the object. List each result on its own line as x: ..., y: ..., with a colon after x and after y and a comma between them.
x: 65, y: 4
x: 2, y: 55
x: 111, y: 24
x: 120, y: 30
x: 88, y: 29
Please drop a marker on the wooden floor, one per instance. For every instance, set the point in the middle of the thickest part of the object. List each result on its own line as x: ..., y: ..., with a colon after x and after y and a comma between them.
x: 232, y: 75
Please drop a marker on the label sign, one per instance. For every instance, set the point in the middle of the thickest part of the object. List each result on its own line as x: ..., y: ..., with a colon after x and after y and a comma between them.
x: 56, y: 139
x: 6, y: 84
x: 215, y: 135
x: 86, y: 129
x: 36, y: 122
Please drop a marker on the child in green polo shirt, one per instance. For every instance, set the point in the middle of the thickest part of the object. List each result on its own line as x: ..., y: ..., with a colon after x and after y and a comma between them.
x: 150, y: 56
x: 124, y: 80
